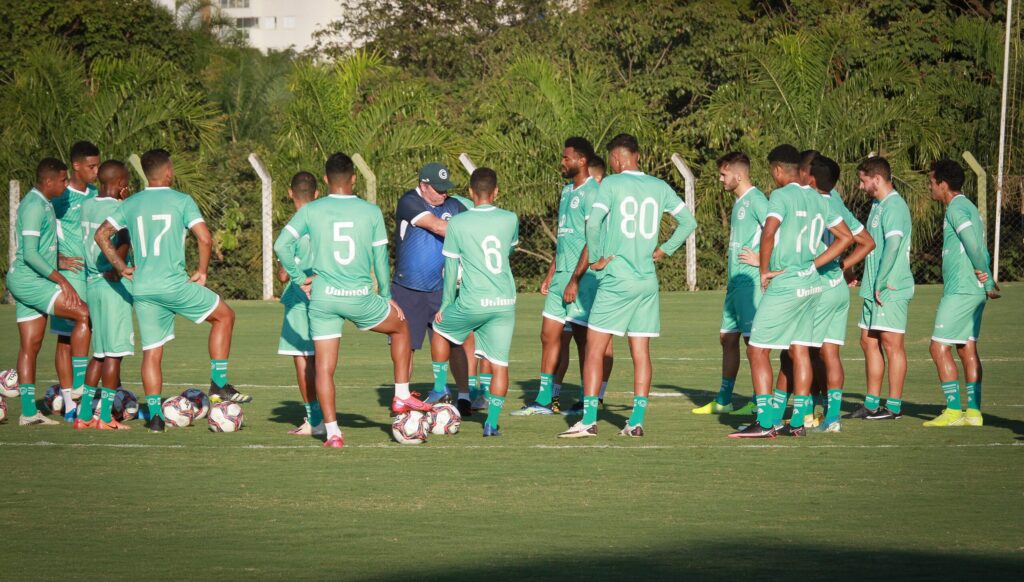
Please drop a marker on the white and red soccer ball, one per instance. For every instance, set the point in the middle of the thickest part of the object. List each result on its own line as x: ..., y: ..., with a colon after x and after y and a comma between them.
x: 226, y: 417
x: 9, y: 383
x: 179, y: 411
x: 444, y: 419
x: 410, y: 428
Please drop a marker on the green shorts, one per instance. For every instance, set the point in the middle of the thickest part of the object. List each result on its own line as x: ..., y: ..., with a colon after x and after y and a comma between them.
x: 958, y: 319
x: 739, y: 309
x: 110, y: 311
x: 492, y: 329
x: 627, y: 307
x: 785, y: 315
x: 832, y: 312
x: 59, y: 325
x: 326, y: 316
x: 578, y: 311
x: 890, y: 317
x: 156, y: 311
x: 296, y: 339
x: 34, y: 296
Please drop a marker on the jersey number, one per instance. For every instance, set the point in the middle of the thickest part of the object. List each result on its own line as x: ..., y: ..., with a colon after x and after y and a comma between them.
x: 345, y: 239
x: 164, y: 218
x: 642, y: 217
x: 492, y: 254
x: 817, y: 227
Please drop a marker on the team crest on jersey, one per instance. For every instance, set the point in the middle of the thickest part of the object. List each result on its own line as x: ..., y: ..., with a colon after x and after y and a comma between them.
x: 575, y: 202
x: 874, y: 221
x: 742, y: 213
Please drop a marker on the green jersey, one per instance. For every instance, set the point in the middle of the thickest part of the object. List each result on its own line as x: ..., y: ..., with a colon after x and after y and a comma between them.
x: 346, y: 243
x: 480, y: 241
x: 465, y: 201
x: 963, y: 249
x: 804, y: 215
x: 68, y: 209
x: 36, y: 219
x: 572, y: 224
x: 94, y: 213
x: 749, y: 212
x: 625, y: 221
x: 293, y: 295
x: 833, y: 270
x: 157, y: 219
x: 889, y: 224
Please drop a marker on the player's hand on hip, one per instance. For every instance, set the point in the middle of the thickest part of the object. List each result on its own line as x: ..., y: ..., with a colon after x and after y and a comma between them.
x: 767, y: 277
x: 439, y: 317
x: 981, y: 275
x: 601, y: 263
x: 878, y: 294
x: 749, y: 257
x: 128, y: 273
x: 545, y: 286
x: 658, y: 255
x: 398, y: 310
x: 199, y: 278
x: 307, y: 285
x: 571, y: 289
x: 69, y: 263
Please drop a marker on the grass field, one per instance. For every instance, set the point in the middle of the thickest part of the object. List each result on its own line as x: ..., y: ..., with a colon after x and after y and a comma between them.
x: 880, y: 500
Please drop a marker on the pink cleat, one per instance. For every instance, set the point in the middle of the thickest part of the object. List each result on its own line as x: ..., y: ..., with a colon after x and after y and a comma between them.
x: 400, y: 405
x: 335, y: 442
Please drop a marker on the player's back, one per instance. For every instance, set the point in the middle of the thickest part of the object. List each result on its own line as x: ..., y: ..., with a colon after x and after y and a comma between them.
x: 804, y: 215
x: 958, y: 275
x: 94, y: 213
x: 482, y: 239
x: 343, y: 229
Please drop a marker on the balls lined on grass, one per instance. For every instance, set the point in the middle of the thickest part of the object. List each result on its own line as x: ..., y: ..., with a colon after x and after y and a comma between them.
x: 9, y: 383
x: 199, y: 399
x: 410, y: 428
x: 125, y: 406
x: 445, y: 419
x: 53, y: 402
x: 179, y: 411
x: 226, y: 417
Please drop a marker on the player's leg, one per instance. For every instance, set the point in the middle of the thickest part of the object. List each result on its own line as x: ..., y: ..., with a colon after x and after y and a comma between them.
x: 972, y: 376
x: 476, y: 393
x: 305, y: 378
x: 803, y: 375
x: 640, y: 350
x: 896, y: 355
x: 93, y: 379
x: 551, y: 347
x: 152, y: 385
x: 783, y: 387
x: 945, y: 365
x: 761, y: 377
x: 111, y: 375
x: 326, y: 362
x: 466, y: 382
x: 835, y: 379
x: 593, y: 368
x: 78, y: 344
x: 494, y: 333
x: 729, y: 338
x: 156, y: 328
x: 874, y: 369
x: 65, y: 374
x: 30, y: 333
x: 564, y: 343
x: 222, y: 325
x: 579, y: 335
x: 394, y: 326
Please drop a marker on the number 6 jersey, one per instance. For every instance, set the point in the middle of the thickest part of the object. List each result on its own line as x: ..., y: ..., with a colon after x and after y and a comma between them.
x: 481, y: 240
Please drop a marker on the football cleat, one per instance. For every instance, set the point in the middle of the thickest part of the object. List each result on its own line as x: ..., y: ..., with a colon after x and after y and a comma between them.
x: 793, y: 431
x: 533, y: 410
x: 861, y: 412
x: 491, y: 431
x: 949, y: 417
x: 754, y: 431
x: 227, y: 394
x: 84, y: 424
x: 713, y: 407
x: 71, y: 415
x: 112, y: 425
x: 555, y: 406
x: 577, y: 409
x: 305, y: 430
x: 35, y: 419
x: 335, y: 442
x: 480, y: 403
x: 438, y: 397
x: 973, y: 417
x: 812, y: 420
x: 748, y: 409
x: 632, y: 431
x: 156, y: 424
x: 465, y: 407
x: 826, y: 427
x: 579, y: 431
x: 400, y: 405
x: 884, y: 413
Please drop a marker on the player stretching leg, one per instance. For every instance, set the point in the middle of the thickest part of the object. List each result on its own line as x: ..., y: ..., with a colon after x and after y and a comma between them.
x: 157, y: 220
x: 38, y: 287
x: 296, y: 340
x: 623, y: 228
x: 110, y: 300
x: 958, y: 319
x: 478, y: 243
x: 348, y: 245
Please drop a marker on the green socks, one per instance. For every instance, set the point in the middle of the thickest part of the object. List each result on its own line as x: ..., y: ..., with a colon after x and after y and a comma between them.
x: 952, y: 392
x: 802, y: 406
x: 106, y: 402
x: 779, y: 398
x: 894, y: 405
x: 85, y: 404
x: 153, y: 405
x: 590, y: 409
x: 474, y: 391
x: 27, y: 392
x: 765, y: 412
x: 639, y: 410
x: 313, y: 413
x: 78, y: 366
x: 544, y: 396
x: 835, y: 401
x: 494, y: 404
x: 219, y: 372
x: 485, y: 384
x: 725, y: 391
x: 440, y: 376
x: 974, y: 395
x: 872, y: 402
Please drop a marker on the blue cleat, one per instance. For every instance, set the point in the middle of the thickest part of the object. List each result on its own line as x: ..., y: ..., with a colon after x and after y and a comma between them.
x: 533, y: 410
x: 71, y: 415
x: 491, y: 431
x: 437, y: 397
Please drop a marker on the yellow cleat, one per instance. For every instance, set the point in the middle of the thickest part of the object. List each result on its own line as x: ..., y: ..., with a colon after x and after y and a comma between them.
x: 713, y: 408
x: 949, y: 417
x: 813, y: 420
x: 748, y: 409
x: 973, y: 417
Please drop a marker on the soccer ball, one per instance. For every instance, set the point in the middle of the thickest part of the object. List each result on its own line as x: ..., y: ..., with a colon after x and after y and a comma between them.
x: 3, y: 410
x: 53, y: 402
x: 199, y: 399
x: 125, y: 406
x: 445, y: 419
x: 9, y: 383
x: 226, y: 417
x: 410, y: 428
x: 179, y: 411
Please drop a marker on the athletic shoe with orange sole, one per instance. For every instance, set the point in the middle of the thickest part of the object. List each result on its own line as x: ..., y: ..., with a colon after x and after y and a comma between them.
x: 84, y: 424
x: 335, y: 442
x: 400, y: 405
x: 112, y: 425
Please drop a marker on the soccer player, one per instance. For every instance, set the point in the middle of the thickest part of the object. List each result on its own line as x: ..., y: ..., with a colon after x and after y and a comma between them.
x: 157, y: 220
x: 296, y: 340
x: 788, y: 258
x: 958, y: 319
x: 569, y: 295
x: 38, y: 287
x: 85, y: 162
x: 110, y: 300
x: 743, y: 290
x: 348, y: 248
x: 622, y: 230
x: 887, y: 287
x: 479, y: 243
x: 596, y: 168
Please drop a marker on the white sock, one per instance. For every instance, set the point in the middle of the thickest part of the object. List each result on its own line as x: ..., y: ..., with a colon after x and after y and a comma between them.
x: 556, y: 389
x: 332, y: 429
x: 402, y: 390
x: 463, y: 395
x: 69, y: 403
x: 604, y: 386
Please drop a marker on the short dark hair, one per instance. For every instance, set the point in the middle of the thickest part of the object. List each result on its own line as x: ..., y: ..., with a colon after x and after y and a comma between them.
x: 48, y: 168
x: 738, y: 158
x: 303, y: 185
x: 596, y: 162
x: 624, y: 140
x: 338, y: 168
x: 876, y: 166
x: 83, y: 149
x: 483, y: 181
x: 582, y: 146
x: 825, y: 172
x: 784, y: 155
x: 807, y: 156
x: 155, y: 160
x: 950, y: 172
x: 109, y: 166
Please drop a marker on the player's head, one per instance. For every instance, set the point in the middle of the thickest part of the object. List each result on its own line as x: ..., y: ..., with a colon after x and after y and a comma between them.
x: 85, y: 161
x: 596, y: 168
x: 158, y: 168
x: 340, y: 173
x: 946, y: 180
x: 576, y: 155
x: 733, y: 170
x: 51, y: 177
x: 435, y: 183
x: 784, y: 164
x: 875, y: 176
x: 113, y: 176
x: 804, y: 173
x: 823, y: 174
x: 623, y: 153
x: 483, y: 185
x: 302, y: 189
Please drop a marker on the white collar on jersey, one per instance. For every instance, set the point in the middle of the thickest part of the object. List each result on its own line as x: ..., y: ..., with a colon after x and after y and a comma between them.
x: 635, y: 172
x: 887, y: 196
x: 745, y: 192
x: 589, y: 178
x: 483, y: 208
x: 156, y: 188
x: 341, y: 196
x: 73, y: 189
x: 39, y: 193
